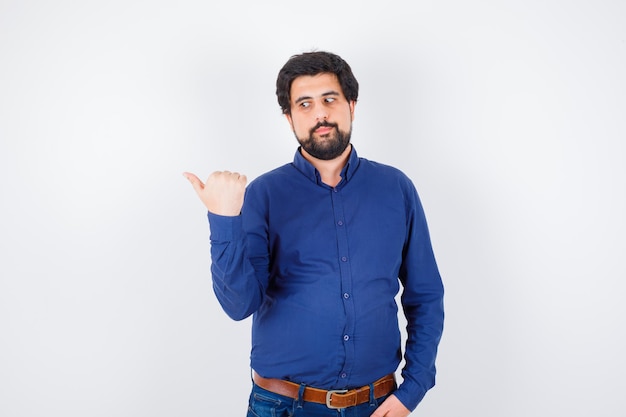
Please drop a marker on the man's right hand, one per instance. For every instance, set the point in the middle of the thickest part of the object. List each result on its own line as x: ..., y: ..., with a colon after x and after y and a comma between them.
x: 222, y: 193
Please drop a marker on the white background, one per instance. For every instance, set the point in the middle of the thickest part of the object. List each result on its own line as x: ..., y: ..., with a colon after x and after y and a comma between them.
x: 508, y: 115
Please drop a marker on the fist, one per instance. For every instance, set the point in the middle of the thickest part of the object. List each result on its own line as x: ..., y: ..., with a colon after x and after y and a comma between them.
x: 222, y: 193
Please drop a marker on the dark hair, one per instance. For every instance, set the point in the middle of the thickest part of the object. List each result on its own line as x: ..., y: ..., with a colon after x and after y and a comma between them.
x: 313, y: 63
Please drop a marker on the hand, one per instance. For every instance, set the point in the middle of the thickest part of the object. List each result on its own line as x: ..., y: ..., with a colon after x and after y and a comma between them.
x: 391, y: 407
x: 223, y: 192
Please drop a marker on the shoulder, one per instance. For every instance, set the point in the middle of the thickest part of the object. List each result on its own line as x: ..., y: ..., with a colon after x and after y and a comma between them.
x: 381, y: 166
x: 384, y: 172
x: 270, y: 178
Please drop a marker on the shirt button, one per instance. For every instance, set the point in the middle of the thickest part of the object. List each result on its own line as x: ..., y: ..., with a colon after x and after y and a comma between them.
x: 340, y: 223
x: 346, y: 295
x: 346, y: 337
x: 344, y: 259
x: 344, y: 375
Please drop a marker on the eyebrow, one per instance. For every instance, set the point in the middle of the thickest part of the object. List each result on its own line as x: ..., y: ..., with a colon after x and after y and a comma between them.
x: 326, y: 94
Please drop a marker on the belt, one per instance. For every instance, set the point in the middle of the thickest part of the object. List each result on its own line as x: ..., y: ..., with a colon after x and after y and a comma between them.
x: 331, y: 398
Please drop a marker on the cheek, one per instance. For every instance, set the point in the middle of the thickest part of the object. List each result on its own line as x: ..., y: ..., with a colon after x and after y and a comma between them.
x: 299, y: 126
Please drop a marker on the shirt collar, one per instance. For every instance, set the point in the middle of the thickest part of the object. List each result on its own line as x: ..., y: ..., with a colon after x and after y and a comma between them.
x: 311, y: 172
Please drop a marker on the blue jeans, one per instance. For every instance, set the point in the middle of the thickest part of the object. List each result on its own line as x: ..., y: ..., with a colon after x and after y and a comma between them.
x: 264, y: 403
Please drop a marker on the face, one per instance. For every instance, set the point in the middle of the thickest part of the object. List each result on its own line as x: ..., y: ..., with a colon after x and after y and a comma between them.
x: 321, y: 117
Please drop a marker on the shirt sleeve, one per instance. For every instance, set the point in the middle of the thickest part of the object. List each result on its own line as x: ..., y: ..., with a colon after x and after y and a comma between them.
x: 234, y: 279
x: 422, y: 302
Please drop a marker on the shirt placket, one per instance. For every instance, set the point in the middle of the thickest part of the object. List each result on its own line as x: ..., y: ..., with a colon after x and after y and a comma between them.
x: 345, y: 292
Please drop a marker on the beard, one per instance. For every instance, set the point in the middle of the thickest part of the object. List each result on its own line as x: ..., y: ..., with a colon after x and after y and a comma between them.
x: 328, y: 146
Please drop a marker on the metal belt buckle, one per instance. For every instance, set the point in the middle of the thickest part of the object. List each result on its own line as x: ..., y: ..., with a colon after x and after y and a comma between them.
x: 329, y: 394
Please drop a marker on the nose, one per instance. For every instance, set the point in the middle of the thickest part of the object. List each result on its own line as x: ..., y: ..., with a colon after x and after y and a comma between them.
x: 321, y: 113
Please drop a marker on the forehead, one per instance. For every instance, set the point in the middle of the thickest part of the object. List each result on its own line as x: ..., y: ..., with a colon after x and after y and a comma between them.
x: 314, y: 85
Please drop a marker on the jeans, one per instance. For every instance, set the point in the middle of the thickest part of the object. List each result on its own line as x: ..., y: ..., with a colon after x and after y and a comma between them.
x: 264, y: 403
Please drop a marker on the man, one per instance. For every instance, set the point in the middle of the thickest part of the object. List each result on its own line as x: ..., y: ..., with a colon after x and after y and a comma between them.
x: 316, y: 251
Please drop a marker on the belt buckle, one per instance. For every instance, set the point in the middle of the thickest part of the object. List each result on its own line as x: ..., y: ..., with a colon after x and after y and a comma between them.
x: 329, y: 394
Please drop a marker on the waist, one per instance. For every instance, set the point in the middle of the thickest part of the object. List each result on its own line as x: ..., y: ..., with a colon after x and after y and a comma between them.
x: 331, y: 398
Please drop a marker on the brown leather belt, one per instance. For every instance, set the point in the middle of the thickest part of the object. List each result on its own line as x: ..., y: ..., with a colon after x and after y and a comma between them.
x: 332, y: 398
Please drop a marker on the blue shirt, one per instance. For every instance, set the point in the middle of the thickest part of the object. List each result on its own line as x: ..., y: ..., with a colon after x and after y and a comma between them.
x: 320, y: 266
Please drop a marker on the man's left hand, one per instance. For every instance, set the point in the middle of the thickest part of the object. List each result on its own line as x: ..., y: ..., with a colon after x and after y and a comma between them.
x: 391, y: 407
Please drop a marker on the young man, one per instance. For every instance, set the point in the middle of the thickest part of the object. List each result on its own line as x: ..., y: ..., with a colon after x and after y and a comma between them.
x: 316, y: 251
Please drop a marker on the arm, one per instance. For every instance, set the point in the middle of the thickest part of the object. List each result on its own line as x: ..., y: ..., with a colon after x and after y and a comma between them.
x: 422, y: 302
x: 234, y: 281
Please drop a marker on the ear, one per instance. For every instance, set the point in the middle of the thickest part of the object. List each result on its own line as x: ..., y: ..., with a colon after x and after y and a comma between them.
x: 352, y: 105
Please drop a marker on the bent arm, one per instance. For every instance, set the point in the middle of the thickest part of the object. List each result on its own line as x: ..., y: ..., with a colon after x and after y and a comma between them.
x: 422, y: 302
x: 234, y: 280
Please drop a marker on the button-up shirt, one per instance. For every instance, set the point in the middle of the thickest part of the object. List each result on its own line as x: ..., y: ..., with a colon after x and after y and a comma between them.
x: 319, y: 268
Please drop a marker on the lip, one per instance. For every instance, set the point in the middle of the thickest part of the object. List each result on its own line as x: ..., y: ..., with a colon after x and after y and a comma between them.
x: 323, y: 130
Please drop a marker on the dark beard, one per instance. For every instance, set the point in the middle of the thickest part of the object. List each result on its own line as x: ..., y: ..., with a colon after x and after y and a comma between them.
x: 327, y: 149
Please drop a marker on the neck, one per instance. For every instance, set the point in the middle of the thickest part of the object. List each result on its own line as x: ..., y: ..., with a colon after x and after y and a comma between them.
x: 329, y: 170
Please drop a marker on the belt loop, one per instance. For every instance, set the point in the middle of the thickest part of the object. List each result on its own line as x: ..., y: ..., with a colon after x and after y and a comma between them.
x: 301, y: 395
x: 372, y: 398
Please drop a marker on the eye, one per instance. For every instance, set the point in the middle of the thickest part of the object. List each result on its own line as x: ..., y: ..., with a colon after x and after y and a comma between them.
x: 305, y: 104
x: 329, y: 99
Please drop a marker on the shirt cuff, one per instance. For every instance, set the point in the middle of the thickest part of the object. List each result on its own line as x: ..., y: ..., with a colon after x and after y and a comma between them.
x: 409, y: 394
x: 224, y: 228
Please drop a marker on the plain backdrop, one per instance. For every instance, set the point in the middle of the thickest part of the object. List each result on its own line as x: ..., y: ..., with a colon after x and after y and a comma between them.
x: 509, y: 116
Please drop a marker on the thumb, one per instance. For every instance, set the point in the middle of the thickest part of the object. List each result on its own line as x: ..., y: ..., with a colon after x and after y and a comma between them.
x: 195, y: 181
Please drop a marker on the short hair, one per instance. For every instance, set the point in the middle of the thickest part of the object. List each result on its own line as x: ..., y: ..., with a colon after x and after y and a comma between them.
x: 313, y: 63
